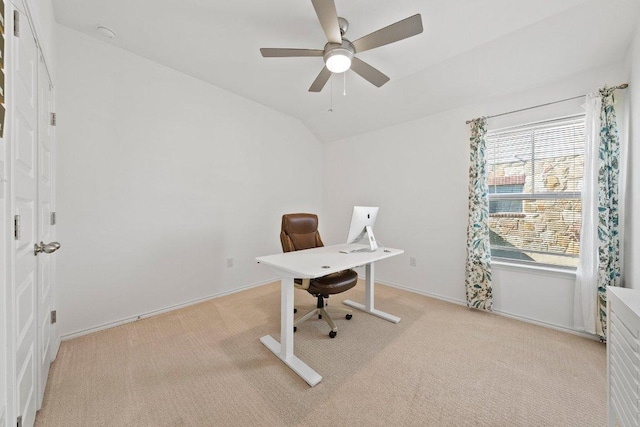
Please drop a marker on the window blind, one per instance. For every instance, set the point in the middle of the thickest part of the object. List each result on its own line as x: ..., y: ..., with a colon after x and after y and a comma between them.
x: 535, y: 179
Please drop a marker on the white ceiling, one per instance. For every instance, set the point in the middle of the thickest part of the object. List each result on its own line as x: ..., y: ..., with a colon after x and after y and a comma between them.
x: 469, y: 49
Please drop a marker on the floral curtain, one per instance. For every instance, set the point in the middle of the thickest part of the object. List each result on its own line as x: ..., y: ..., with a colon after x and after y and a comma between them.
x: 609, y: 265
x: 600, y: 261
x: 478, y: 268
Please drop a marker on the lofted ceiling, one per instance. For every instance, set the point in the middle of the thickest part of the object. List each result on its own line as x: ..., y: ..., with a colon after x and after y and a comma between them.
x: 470, y: 49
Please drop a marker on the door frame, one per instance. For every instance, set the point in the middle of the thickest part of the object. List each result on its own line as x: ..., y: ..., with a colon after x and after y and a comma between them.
x: 9, y: 281
x: 6, y: 233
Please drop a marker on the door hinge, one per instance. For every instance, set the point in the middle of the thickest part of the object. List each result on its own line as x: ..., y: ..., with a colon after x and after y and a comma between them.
x: 16, y: 227
x: 16, y: 23
x: 53, y: 317
x: 53, y: 218
x: 19, y: 421
x: 53, y: 119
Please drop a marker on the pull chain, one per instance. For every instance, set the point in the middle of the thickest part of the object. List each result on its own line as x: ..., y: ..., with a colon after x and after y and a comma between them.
x: 344, y: 82
x: 331, y: 97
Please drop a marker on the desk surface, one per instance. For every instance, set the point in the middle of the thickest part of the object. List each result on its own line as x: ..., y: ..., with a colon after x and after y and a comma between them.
x: 318, y: 262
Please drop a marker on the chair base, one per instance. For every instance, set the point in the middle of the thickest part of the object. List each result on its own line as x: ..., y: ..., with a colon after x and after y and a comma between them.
x: 321, y: 312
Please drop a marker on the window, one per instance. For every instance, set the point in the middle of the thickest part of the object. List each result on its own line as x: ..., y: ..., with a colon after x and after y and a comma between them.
x: 535, y: 179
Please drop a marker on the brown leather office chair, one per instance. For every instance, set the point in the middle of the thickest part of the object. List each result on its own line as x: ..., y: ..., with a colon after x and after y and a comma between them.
x: 300, y: 231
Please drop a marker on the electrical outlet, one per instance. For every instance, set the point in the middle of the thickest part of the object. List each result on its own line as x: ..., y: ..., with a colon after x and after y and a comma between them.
x: 412, y: 261
x: 229, y: 262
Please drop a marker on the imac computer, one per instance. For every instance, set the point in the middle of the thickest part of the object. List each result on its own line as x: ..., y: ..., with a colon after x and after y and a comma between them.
x: 362, y: 222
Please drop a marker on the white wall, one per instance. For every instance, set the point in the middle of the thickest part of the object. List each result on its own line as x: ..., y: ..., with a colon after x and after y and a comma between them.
x: 158, y: 173
x: 161, y: 178
x: 417, y: 173
x: 632, y: 243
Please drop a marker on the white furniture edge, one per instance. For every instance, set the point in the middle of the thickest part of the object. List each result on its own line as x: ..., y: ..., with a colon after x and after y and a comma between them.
x: 629, y: 300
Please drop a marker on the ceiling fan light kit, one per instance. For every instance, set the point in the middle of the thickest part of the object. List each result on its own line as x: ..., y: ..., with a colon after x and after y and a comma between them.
x: 339, y: 54
x: 337, y: 58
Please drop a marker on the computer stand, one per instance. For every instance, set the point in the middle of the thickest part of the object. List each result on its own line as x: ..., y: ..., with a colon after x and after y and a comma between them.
x: 366, y: 233
x: 372, y: 240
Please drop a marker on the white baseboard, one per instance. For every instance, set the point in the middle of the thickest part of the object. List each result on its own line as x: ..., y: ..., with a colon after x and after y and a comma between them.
x: 548, y: 325
x: 255, y: 285
x: 130, y: 319
x: 498, y: 312
x: 56, y: 349
x: 421, y: 292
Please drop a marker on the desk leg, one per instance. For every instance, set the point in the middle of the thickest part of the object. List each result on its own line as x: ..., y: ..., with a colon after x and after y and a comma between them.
x: 368, y: 305
x: 284, y: 348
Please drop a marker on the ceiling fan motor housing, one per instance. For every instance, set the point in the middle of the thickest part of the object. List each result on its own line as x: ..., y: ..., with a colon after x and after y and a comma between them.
x: 344, y: 25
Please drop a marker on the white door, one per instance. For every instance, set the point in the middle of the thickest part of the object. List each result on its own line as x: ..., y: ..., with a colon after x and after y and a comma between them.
x: 25, y: 176
x: 45, y: 230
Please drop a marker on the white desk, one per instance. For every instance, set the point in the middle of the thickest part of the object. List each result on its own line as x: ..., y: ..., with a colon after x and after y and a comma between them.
x: 312, y: 263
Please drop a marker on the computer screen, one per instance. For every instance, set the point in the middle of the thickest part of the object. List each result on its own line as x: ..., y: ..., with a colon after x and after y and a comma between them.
x: 362, y: 221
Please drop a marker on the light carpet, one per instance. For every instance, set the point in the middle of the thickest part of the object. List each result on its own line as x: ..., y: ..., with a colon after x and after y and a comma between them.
x: 442, y: 365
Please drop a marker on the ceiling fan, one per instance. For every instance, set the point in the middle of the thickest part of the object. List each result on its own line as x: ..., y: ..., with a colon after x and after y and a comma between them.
x: 339, y: 53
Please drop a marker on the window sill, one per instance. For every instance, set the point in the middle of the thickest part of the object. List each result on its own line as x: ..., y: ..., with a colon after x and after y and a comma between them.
x: 535, y: 269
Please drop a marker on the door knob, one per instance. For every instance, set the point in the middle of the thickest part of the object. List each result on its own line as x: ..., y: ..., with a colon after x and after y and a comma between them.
x: 48, y: 248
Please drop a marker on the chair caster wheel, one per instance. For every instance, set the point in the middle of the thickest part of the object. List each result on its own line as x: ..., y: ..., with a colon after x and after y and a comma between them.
x: 349, y: 316
x: 332, y: 334
x: 319, y: 316
x: 295, y: 328
x: 295, y: 310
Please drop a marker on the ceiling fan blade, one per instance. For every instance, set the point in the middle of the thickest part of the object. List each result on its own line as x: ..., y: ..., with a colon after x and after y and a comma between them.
x: 369, y: 73
x: 321, y: 80
x: 395, y: 32
x: 328, y: 17
x: 268, y: 52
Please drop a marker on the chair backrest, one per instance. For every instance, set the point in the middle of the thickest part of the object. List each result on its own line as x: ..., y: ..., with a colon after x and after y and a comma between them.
x: 299, y: 231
